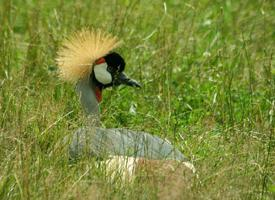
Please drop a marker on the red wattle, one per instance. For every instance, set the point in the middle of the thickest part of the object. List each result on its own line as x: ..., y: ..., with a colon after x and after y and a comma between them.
x: 98, y: 94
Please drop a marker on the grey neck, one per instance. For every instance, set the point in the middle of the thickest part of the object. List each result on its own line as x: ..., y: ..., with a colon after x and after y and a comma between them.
x: 86, y: 91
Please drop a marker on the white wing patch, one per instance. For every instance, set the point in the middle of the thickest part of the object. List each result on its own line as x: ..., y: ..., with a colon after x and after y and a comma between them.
x: 101, y: 73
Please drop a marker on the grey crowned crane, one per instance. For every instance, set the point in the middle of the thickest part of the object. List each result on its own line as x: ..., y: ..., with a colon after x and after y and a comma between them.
x: 87, y: 59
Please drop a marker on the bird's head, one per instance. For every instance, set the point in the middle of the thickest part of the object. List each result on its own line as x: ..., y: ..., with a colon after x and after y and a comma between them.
x: 88, y: 55
x: 108, y: 71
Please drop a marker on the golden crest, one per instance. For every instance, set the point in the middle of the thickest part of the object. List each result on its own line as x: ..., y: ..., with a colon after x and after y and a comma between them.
x: 78, y: 53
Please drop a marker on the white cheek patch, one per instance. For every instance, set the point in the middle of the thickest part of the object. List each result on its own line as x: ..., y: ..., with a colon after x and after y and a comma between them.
x: 101, y: 74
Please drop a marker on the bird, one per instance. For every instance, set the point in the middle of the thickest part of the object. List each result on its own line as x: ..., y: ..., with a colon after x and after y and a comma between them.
x: 88, y: 60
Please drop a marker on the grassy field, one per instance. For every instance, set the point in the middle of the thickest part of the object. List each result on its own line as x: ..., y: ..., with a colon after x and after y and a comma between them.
x: 208, y: 74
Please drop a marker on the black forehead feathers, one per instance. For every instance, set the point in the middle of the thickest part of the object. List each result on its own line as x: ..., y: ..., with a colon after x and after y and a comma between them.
x: 114, y: 60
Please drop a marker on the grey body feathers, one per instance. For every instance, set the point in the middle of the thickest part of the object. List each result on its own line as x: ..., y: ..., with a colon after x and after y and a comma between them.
x: 101, y: 142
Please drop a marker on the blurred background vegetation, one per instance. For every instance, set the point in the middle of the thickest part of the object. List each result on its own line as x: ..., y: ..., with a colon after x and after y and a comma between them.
x: 208, y: 74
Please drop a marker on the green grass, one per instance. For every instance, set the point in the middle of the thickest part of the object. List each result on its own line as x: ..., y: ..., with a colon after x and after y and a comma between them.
x: 208, y: 74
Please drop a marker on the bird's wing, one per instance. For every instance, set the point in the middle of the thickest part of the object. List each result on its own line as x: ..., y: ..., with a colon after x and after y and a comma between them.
x: 122, y: 142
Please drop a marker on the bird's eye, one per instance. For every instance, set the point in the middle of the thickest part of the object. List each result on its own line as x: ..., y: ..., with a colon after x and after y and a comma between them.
x: 109, y: 69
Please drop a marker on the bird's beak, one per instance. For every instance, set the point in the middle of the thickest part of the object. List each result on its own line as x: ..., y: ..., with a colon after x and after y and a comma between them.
x: 125, y: 80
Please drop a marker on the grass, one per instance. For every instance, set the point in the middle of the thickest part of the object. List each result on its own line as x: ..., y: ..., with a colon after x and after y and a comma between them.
x: 208, y: 75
